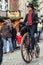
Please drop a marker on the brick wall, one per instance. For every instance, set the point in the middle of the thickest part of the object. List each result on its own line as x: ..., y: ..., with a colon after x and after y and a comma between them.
x: 14, y: 4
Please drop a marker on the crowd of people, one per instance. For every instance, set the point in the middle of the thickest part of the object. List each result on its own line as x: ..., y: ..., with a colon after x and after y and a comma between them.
x: 9, y: 36
x: 10, y: 39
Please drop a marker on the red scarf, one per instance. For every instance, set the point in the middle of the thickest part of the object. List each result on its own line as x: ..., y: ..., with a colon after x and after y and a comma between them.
x: 29, y: 20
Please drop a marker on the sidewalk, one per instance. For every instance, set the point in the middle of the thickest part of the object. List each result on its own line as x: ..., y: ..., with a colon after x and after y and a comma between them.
x: 15, y: 58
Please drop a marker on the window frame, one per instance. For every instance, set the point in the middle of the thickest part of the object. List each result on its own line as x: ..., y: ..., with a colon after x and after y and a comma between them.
x: 6, y: 5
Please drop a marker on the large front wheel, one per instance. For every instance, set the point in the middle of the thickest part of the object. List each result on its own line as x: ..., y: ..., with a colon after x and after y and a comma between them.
x: 26, y: 55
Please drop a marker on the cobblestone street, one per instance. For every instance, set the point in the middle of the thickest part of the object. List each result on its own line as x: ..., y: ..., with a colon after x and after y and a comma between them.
x: 16, y: 59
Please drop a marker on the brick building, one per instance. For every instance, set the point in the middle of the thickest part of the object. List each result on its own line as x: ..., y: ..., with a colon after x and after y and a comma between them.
x: 17, y: 4
x: 9, y: 4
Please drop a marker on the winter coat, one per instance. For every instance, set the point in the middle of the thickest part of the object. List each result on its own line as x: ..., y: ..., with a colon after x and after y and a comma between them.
x: 6, y: 31
x: 1, y: 50
x: 18, y: 39
x: 14, y: 32
x: 34, y: 18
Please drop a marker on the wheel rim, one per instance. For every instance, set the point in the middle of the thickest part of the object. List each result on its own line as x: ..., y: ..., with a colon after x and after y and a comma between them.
x: 26, y: 54
x: 24, y: 48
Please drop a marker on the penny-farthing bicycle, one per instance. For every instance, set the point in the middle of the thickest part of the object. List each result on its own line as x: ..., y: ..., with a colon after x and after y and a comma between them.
x: 26, y: 48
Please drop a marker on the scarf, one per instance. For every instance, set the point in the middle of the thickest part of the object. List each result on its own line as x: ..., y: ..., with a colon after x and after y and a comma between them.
x: 29, y: 20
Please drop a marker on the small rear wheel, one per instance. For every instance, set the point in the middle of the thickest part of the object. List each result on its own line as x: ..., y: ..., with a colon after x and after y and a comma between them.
x: 37, y: 51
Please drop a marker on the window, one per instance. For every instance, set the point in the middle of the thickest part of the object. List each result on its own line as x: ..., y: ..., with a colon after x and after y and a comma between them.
x: 6, y: 0
x: 3, y: 5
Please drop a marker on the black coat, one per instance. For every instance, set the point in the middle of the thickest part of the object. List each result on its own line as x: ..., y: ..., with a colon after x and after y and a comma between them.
x: 34, y: 18
x: 1, y: 49
x: 13, y: 33
x: 34, y: 22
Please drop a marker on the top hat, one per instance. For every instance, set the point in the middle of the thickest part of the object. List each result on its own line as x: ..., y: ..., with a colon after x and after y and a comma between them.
x: 30, y: 5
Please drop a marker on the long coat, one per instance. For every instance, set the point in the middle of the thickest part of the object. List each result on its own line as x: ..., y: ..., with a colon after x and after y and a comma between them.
x: 34, y: 18
x: 6, y: 31
x: 34, y: 22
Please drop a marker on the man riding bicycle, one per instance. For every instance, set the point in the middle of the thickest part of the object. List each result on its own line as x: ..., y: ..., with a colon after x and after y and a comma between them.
x: 31, y: 21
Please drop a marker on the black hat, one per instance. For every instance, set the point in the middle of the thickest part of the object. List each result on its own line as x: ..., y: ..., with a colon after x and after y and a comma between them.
x: 30, y: 5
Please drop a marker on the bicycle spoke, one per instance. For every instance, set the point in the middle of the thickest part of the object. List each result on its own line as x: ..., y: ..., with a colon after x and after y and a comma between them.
x: 24, y: 48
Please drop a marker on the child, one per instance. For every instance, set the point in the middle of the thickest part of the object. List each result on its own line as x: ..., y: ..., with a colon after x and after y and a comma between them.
x: 18, y: 39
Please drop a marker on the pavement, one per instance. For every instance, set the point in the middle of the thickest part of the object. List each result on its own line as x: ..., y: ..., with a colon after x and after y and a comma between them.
x: 15, y: 58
